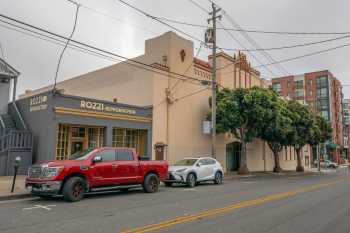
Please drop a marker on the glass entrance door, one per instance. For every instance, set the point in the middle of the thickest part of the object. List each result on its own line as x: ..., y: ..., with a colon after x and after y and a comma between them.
x: 77, y: 146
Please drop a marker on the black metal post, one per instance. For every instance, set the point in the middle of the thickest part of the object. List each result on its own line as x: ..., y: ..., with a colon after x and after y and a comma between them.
x: 14, y: 179
x: 15, y: 165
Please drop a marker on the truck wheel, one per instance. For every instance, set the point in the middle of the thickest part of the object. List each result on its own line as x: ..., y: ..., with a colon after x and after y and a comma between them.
x: 191, y: 180
x: 73, y: 189
x: 151, y: 183
x: 168, y: 184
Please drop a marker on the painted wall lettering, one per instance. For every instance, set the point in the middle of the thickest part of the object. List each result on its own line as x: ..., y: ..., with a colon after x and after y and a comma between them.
x: 38, y: 103
x: 104, y: 108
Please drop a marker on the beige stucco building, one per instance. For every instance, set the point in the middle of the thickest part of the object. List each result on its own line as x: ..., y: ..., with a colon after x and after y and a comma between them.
x: 180, y: 104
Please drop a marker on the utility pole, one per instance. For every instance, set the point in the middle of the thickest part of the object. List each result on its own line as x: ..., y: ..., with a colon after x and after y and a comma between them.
x: 211, y: 38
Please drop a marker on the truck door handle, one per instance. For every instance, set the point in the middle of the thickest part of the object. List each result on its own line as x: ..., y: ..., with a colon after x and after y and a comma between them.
x: 114, y: 165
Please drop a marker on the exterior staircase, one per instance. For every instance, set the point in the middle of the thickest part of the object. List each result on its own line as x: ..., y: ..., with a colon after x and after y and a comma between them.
x: 15, y: 141
x: 7, y: 123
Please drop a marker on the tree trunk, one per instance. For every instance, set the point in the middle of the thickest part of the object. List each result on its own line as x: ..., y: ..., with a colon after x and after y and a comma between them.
x: 300, y: 167
x: 277, y: 167
x: 243, y: 168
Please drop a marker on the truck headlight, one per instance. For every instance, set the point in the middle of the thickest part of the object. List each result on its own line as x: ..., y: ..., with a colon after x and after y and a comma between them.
x: 51, y: 171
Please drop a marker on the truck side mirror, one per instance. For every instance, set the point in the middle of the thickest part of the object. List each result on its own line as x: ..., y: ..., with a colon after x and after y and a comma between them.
x: 97, y: 159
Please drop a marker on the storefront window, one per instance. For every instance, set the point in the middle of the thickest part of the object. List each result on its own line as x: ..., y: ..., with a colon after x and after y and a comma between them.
x: 131, y: 138
x: 73, y: 139
x: 62, y: 142
x: 96, y: 137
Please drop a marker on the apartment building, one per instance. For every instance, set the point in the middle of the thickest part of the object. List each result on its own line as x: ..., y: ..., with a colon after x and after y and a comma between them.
x: 322, y: 92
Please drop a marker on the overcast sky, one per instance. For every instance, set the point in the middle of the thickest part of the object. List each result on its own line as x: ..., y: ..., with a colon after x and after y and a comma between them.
x: 125, y: 30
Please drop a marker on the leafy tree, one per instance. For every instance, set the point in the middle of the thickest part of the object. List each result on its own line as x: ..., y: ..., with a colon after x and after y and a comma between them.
x: 277, y: 128
x: 321, y: 131
x: 241, y: 112
x: 302, y: 124
x: 325, y: 128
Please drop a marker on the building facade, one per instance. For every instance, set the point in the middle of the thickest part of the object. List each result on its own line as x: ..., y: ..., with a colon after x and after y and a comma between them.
x: 346, y: 129
x: 322, y: 92
x: 179, y: 105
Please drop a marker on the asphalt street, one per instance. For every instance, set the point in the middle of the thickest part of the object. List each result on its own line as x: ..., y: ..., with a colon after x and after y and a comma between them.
x: 316, y: 203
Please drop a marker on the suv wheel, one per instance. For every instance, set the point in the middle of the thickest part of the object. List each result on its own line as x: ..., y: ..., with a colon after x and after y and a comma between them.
x: 151, y: 183
x: 218, y: 178
x: 191, y: 180
x: 74, y: 189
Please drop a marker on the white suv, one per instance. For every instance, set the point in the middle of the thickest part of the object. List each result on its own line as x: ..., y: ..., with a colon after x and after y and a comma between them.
x: 190, y: 171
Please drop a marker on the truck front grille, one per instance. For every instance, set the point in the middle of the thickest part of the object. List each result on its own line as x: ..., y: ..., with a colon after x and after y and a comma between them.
x: 34, y: 172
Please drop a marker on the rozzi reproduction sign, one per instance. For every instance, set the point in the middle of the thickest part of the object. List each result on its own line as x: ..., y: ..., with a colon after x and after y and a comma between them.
x: 38, y: 103
x: 90, y: 105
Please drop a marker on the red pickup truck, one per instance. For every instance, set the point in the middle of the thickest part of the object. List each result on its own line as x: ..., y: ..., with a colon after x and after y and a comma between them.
x: 95, y: 170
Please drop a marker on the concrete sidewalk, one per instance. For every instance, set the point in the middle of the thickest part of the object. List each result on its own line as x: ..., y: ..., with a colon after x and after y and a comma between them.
x: 5, y: 188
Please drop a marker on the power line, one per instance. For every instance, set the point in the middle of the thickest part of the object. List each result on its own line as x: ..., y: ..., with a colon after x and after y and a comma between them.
x: 160, y: 21
x: 291, y: 46
x: 115, y: 18
x: 188, y: 68
x: 252, y: 55
x: 69, y: 39
x: 125, y: 59
x: 200, y: 7
x: 53, y: 40
x: 191, y: 94
x: 254, y: 43
x: 266, y: 49
x: 253, y: 31
x: 235, y: 39
x: 305, y: 55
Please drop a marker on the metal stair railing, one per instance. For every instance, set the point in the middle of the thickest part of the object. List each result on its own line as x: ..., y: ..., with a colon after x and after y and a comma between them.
x: 19, y: 115
x: 16, y: 140
x: 2, y: 123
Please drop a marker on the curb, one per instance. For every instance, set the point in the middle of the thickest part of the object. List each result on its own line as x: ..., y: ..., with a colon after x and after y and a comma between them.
x: 268, y: 174
x: 15, y: 197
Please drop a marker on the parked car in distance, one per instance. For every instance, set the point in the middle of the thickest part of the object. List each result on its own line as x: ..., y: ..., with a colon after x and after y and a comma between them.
x: 326, y: 164
x: 94, y: 170
x: 191, y: 171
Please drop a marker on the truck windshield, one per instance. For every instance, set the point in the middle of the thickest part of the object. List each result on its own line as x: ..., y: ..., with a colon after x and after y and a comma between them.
x: 82, y: 155
x: 186, y: 162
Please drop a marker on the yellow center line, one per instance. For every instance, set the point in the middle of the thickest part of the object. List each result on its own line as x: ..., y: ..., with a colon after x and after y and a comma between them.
x: 239, y: 205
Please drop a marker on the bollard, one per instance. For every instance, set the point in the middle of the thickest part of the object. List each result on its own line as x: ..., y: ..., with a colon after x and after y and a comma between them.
x: 16, y: 165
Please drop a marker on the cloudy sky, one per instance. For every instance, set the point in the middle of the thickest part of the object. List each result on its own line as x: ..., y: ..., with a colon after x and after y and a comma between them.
x: 109, y: 25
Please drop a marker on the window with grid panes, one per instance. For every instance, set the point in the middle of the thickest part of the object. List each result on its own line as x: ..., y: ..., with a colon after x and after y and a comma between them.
x: 62, y: 142
x: 96, y: 137
x: 131, y: 138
